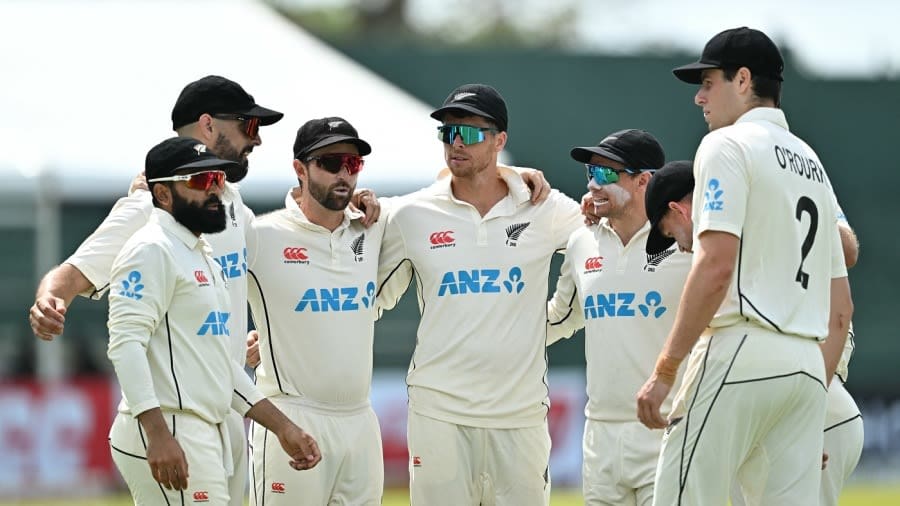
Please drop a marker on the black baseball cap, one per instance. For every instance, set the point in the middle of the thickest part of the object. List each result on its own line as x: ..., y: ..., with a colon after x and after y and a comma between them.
x: 175, y: 154
x: 318, y: 133
x: 735, y: 48
x: 669, y: 184
x: 478, y: 99
x: 636, y: 149
x: 218, y: 95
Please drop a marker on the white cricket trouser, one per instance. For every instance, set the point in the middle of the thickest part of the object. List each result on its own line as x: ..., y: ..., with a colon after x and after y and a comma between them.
x: 237, y: 434
x: 203, y: 445
x: 843, y: 444
x: 351, y: 471
x: 456, y: 465
x: 751, y: 400
x: 619, y: 463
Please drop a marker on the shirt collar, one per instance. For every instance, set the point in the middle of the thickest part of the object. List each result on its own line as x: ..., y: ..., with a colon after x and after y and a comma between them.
x: 167, y: 222
x: 770, y: 114
x: 518, y: 190
x: 605, y: 228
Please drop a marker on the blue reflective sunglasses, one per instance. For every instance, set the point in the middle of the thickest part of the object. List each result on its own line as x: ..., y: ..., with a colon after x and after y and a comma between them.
x: 601, y: 174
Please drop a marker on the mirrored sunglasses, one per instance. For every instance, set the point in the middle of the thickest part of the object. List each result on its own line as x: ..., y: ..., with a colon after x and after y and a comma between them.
x: 335, y: 162
x: 468, y: 134
x: 198, y: 181
x: 249, y: 125
x: 601, y: 174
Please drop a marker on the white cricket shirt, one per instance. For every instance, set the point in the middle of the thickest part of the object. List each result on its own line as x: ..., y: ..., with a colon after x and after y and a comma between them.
x: 312, y: 293
x: 756, y: 180
x: 480, y: 357
x: 168, y: 326
x: 94, y: 257
x: 626, y: 301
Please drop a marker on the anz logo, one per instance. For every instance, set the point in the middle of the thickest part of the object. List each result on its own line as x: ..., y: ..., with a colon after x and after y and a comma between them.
x: 481, y: 281
x: 132, y: 286
x: 216, y: 323
x: 623, y: 305
x: 712, y: 197
x: 347, y: 298
x: 233, y: 265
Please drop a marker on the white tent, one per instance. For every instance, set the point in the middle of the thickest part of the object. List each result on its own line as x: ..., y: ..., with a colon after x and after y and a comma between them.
x: 88, y: 87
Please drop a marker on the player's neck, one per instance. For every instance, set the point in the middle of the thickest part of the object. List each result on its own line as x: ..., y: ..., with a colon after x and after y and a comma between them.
x: 628, y: 224
x: 482, y: 189
x: 318, y: 214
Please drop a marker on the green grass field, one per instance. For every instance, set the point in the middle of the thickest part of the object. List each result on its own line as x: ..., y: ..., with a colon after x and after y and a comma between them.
x: 855, y: 495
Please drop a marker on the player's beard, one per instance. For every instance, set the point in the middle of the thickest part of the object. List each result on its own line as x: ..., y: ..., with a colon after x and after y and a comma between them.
x: 199, y: 218
x: 325, y: 195
x: 224, y: 149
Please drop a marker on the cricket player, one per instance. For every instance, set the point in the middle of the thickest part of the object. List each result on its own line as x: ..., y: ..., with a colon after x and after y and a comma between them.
x: 480, y: 252
x: 220, y: 114
x: 625, y: 300
x: 767, y: 284
x: 312, y: 268
x: 169, y: 342
x: 669, y: 208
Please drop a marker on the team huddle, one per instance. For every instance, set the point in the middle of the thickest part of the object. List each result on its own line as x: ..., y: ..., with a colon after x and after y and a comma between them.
x: 713, y: 294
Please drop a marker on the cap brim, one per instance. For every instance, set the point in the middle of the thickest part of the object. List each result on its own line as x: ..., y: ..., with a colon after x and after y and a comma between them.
x: 363, y: 146
x: 656, y: 242
x: 583, y: 154
x: 266, y: 116
x: 207, y: 163
x: 691, y: 72
x: 439, y: 114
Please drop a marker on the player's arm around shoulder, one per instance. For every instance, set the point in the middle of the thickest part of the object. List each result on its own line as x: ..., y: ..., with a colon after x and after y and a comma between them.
x: 564, y: 311
x: 394, y: 267
x: 95, y: 256
x: 86, y: 272
x: 567, y: 218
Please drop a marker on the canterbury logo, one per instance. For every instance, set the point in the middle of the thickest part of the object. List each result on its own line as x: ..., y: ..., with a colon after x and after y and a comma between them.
x: 439, y: 238
x: 653, y: 261
x: 277, y: 487
x: 593, y: 264
x: 357, y: 245
x: 200, y: 149
x: 514, y: 231
x: 295, y: 254
x: 200, y: 276
x: 201, y: 496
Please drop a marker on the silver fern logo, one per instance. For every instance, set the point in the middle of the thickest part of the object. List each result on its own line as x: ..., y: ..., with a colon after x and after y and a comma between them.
x: 357, y: 247
x: 653, y: 261
x: 513, y: 232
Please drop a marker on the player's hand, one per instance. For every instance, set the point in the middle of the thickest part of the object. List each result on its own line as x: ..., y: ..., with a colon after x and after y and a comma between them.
x: 253, y: 349
x: 47, y: 317
x: 365, y: 200
x: 649, y: 399
x: 538, y: 184
x: 168, y: 464
x: 588, y: 210
x: 302, y: 447
x: 138, y: 183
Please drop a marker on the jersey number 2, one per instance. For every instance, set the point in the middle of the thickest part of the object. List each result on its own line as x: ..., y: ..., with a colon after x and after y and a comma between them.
x: 805, y: 204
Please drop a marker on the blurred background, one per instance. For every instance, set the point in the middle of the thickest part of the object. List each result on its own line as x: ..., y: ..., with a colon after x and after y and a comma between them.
x: 91, y: 83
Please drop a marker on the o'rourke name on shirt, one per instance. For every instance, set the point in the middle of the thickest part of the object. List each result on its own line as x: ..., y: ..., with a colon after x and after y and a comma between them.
x: 799, y: 164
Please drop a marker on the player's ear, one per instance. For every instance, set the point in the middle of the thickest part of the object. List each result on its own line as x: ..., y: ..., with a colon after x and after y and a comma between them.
x: 300, y: 169
x: 205, y: 127
x: 162, y: 193
x: 500, y: 141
